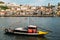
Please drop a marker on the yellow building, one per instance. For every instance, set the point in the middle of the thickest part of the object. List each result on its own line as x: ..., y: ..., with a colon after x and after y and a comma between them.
x: 58, y: 13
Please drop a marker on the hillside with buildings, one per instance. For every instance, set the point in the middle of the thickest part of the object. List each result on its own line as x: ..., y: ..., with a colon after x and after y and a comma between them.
x: 14, y: 10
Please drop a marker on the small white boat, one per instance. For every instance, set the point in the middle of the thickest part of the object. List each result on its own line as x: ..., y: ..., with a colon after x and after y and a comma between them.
x: 30, y: 30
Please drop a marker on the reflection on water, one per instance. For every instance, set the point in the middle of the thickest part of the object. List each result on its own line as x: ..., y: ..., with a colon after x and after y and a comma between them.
x: 28, y: 38
x: 19, y: 37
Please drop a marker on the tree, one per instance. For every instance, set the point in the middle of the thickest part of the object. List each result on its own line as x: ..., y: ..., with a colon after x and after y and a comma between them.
x: 1, y: 2
x: 4, y: 7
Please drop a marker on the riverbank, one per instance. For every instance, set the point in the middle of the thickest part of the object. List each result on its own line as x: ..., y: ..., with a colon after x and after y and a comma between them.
x: 28, y: 16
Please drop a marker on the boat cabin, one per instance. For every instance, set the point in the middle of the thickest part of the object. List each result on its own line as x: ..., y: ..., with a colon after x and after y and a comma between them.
x: 32, y: 29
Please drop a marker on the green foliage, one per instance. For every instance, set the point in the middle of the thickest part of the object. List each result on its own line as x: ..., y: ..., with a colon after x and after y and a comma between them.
x: 1, y: 2
x: 4, y: 7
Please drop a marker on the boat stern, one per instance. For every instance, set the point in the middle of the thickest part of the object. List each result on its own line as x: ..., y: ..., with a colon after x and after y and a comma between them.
x: 42, y: 33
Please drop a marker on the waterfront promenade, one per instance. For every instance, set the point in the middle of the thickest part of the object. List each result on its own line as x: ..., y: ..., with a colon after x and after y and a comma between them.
x: 28, y: 16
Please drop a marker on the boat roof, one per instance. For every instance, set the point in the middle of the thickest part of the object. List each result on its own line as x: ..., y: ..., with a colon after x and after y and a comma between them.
x: 32, y: 26
x: 18, y: 28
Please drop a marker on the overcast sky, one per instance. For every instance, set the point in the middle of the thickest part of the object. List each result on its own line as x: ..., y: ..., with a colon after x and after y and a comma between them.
x: 33, y: 2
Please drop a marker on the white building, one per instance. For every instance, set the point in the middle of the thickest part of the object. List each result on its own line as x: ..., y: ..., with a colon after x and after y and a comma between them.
x: 24, y: 8
x: 12, y: 5
x: 33, y: 7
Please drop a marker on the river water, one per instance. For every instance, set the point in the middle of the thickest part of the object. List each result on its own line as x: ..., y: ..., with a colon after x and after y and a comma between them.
x: 50, y: 23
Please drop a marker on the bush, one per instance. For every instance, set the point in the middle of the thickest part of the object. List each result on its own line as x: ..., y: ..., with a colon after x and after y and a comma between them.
x: 4, y: 7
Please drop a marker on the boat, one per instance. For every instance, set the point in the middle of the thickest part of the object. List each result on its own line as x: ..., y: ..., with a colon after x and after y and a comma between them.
x: 30, y: 30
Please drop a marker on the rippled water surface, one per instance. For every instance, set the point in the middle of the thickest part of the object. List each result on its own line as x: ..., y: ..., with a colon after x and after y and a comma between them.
x: 51, y: 23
